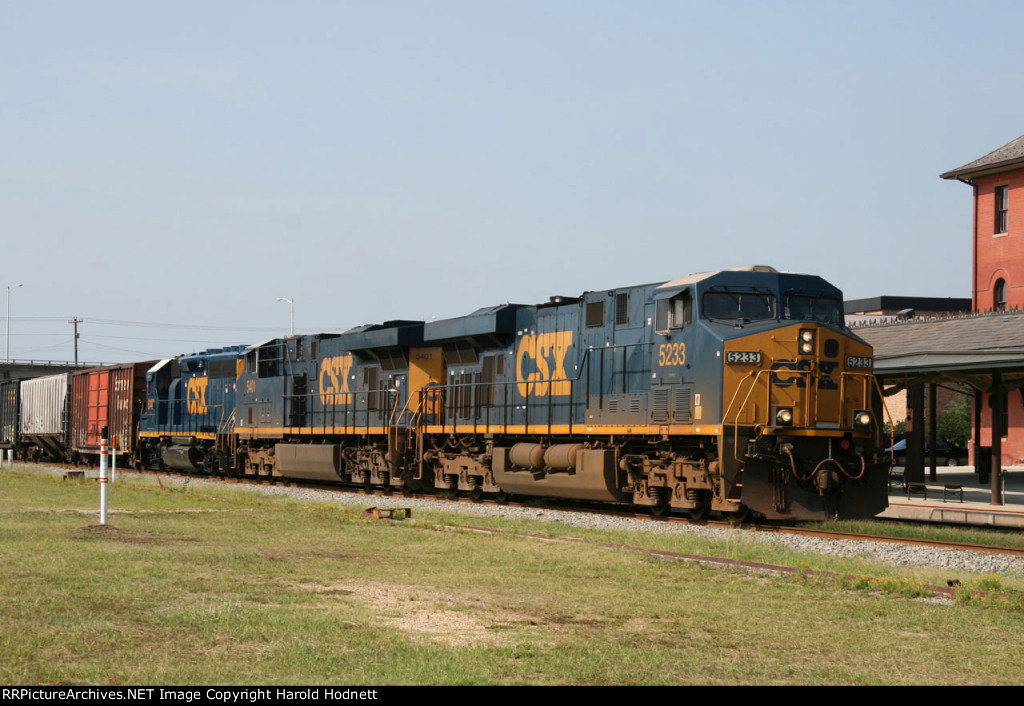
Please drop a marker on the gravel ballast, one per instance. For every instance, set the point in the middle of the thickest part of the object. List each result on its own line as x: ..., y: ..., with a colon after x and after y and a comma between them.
x: 892, y: 553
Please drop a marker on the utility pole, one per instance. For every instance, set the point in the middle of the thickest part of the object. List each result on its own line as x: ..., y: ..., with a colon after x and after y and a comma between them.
x: 9, y: 288
x: 75, y: 321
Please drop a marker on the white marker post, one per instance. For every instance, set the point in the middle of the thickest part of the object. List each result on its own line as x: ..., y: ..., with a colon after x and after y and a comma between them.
x: 10, y: 458
x: 103, y: 476
x: 113, y: 458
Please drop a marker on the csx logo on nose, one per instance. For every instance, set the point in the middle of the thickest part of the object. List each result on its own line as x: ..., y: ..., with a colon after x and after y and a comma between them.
x: 802, y: 375
x: 540, y: 364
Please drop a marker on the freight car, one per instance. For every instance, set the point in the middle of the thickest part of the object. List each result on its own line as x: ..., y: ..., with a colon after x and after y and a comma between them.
x: 108, y: 397
x: 730, y: 391
x: 44, y: 417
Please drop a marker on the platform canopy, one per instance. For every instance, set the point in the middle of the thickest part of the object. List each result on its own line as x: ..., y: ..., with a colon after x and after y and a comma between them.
x: 963, y: 349
x: 982, y: 351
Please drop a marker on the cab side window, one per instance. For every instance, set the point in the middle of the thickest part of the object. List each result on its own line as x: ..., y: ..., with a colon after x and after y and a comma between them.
x: 673, y: 313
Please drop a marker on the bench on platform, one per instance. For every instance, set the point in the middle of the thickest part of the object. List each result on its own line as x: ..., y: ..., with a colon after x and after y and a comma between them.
x: 948, y: 490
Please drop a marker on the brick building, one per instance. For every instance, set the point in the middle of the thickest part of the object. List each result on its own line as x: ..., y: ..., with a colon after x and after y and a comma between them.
x: 997, y: 182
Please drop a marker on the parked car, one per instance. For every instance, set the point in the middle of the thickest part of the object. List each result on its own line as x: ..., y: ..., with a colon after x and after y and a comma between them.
x: 945, y: 452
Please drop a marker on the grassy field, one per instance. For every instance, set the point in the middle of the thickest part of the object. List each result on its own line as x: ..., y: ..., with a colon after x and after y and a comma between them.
x: 214, y: 585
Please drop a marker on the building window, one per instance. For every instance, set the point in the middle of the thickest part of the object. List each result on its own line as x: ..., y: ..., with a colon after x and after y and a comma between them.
x: 1002, y: 208
x: 999, y: 295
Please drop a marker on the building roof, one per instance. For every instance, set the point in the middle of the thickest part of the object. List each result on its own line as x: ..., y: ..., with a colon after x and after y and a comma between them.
x: 1009, y: 156
x: 962, y: 349
x: 887, y: 303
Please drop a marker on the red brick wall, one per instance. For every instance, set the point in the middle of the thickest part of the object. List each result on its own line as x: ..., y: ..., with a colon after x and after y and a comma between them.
x: 1012, y: 447
x: 999, y: 256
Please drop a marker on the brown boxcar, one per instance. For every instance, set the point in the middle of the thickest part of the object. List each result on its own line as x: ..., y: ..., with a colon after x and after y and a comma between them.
x: 111, y: 397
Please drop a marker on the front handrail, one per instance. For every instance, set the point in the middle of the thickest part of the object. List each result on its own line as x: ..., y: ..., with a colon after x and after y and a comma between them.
x: 730, y: 418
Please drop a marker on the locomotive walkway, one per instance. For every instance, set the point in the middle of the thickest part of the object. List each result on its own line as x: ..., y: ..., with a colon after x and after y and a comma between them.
x: 975, y: 509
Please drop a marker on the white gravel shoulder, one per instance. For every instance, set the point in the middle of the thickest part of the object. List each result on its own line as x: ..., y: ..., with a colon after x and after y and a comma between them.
x: 896, y: 554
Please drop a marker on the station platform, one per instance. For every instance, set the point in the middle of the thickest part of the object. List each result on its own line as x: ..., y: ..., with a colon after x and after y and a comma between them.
x: 932, y: 504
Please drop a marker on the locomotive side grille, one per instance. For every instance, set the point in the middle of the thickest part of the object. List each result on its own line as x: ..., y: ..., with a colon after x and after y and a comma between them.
x: 659, y: 406
x: 458, y: 352
x: 681, y: 407
x: 621, y: 309
x: 392, y: 359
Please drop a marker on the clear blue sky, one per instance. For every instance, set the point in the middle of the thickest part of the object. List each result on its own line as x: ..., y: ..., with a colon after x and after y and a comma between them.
x: 185, y: 164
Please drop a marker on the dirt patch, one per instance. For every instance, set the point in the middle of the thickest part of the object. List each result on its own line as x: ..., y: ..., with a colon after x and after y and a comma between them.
x: 428, y: 614
x: 127, y: 536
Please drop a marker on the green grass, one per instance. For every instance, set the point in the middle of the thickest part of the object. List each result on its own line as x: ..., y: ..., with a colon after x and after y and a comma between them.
x: 212, y: 584
x: 971, y: 535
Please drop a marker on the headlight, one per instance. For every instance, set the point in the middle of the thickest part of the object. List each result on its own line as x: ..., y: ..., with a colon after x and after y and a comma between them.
x: 806, y: 341
x: 784, y: 416
x: 862, y: 419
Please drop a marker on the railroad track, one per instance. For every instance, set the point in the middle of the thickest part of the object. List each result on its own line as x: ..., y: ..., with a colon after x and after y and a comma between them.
x: 602, y: 509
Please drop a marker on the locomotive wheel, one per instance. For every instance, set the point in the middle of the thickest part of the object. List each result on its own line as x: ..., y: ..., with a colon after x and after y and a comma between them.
x: 476, y: 494
x: 739, y: 515
x: 661, y: 508
x: 502, y: 497
x: 407, y: 490
x: 699, y: 512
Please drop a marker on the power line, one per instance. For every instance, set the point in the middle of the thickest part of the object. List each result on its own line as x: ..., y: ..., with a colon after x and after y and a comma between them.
x: 147, y: 324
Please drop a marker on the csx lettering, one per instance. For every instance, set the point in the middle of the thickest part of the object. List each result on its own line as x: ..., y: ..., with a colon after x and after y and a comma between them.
x: 825, y: 381
x: 334, y: 380
x: 802, y: 375
x: 196, y: 395
x: 799, y: 380
x: 540, y: 364
x: 672, y: 354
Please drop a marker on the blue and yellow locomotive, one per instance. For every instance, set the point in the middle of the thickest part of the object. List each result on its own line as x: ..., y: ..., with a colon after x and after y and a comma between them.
x: 188, y: 420
x: 727, y: 391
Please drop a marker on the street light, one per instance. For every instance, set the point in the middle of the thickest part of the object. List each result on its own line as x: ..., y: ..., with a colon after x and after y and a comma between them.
x: 291, y: 308
x: 9, y: 288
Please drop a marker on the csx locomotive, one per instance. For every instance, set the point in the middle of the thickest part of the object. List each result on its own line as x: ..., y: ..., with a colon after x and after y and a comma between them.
x: 731, y: 391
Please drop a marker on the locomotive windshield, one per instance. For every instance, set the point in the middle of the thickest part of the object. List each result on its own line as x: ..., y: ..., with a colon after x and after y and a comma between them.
x: 739, y: 305
x: 813, y: 308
